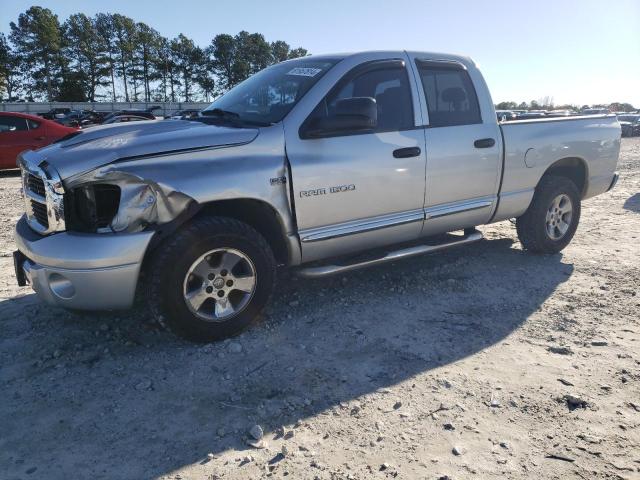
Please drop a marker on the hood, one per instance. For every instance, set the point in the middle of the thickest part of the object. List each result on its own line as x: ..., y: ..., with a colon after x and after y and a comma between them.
x: 101, y: 145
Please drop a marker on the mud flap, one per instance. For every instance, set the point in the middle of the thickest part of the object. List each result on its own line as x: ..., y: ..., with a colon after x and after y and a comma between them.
x: 18, y: 262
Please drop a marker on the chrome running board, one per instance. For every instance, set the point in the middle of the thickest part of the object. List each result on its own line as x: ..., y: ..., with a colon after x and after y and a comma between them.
x: 326, y: 270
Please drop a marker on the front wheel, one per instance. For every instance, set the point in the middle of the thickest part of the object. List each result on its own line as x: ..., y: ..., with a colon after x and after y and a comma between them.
x: 211, y: 280
x: 551, y: 220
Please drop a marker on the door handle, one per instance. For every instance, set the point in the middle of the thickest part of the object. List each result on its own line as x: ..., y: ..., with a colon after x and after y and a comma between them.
x: 39, y: 138
x: 406, y: 152
x: 484, y: 143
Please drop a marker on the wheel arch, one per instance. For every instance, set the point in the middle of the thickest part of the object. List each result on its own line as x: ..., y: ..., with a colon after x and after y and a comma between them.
x: 259, y: 215
x: 573, y: 168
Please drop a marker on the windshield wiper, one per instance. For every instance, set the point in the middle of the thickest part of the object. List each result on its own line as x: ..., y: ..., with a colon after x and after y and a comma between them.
x: 218, y: 112
x: 233, y: 117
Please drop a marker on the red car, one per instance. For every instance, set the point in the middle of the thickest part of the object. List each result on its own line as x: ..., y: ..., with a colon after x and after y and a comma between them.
x: 20, y: 132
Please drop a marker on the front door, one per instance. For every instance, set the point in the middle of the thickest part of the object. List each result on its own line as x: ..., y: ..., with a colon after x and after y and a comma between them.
x: 18, y: 134
x: 14, y: 138
x: 356, y: 190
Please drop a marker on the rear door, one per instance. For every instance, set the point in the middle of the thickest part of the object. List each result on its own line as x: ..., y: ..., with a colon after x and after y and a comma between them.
x: 39, y: 134
x: 463, y: 145
x: 357, y: 190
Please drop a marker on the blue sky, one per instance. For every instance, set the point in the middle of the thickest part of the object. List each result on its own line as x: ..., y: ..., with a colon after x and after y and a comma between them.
x: 578, y: 51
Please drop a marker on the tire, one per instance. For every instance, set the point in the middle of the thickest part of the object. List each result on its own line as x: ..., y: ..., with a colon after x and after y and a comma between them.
x: 178, y: 280
x: 536, y: 228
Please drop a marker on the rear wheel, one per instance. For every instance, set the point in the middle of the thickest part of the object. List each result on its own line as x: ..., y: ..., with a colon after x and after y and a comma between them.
x: 211, y: 280
x: 551, y: 220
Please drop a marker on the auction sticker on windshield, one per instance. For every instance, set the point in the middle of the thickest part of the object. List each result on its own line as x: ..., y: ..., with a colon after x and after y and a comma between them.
x: 304, y: 71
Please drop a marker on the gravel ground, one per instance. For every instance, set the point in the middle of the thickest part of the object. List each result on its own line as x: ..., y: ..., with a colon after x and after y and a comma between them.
x: 483, y: 362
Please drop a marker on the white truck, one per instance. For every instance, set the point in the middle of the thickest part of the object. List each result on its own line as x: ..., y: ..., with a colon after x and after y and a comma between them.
x: 307, y: 164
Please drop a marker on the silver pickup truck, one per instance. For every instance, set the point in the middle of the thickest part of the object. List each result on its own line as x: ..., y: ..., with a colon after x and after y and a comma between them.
x: 309, y: 163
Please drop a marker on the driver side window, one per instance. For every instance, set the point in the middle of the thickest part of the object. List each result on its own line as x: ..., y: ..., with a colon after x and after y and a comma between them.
x: 387, y: 85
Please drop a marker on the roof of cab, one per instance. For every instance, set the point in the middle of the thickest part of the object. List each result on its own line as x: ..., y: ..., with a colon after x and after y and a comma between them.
x: 416, y: 53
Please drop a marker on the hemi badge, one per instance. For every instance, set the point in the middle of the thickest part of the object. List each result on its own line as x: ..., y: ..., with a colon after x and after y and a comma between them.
x: 278, y: 181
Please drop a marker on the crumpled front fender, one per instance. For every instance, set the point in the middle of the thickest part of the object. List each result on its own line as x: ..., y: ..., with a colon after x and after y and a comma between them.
x: 143, y: 202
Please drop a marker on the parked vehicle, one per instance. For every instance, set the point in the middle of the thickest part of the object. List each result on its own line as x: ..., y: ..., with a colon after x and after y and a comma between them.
x: 126, y: 118
x: 132, y: 112
x: 184, y: 115
x: 630, y: 125
x: 21, y: 131
x: 505, y: 115
x: 560, y: 113
x: 331, y: 163
x: 595, y: 111
x: 532, y: 115
x: 55, y: 113
x: 80, y: 118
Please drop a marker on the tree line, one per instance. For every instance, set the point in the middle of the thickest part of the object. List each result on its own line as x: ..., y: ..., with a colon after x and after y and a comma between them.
x: 111, y: 57
x: 547, y: 104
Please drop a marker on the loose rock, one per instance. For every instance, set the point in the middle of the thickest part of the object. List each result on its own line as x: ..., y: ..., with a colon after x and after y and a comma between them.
x: 560, y: 350
x: 256, y: 432
x: 574, y: 402
x: 143, y: 385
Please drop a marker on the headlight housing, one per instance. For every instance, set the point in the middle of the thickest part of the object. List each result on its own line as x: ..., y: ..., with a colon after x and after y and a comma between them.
x: 92, y: 208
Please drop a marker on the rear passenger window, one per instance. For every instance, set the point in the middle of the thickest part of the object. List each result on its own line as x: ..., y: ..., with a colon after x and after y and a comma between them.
x: 12, y: 124
x: 32, y: 124
x: 451, y: 98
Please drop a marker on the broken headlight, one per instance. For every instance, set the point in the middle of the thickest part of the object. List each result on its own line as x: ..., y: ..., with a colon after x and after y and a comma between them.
x: 92, y: 208
x: 110, y: 200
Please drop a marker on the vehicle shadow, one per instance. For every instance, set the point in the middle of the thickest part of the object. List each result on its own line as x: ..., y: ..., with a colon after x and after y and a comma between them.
x: 633, y: 203
x: 108, y: 396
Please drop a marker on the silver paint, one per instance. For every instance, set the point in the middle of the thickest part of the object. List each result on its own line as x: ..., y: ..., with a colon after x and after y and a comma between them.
x: 450, y: 186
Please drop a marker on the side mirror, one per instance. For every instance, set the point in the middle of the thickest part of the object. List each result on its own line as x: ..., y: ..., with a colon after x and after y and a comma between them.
x: 357, y: 114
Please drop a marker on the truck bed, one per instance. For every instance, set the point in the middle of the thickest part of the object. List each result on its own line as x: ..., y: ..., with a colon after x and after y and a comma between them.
x: 530, y: 147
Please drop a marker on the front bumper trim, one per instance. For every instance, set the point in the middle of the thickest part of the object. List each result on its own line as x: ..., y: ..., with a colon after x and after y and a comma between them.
x: 82, y: 271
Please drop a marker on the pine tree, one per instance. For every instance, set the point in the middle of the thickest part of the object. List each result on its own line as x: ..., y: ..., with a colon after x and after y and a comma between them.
x: 37, y: 40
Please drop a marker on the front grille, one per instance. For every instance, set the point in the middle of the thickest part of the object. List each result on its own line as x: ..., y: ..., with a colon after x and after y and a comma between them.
x: 43, y: 196
x: 35, y: 184
x: 40, y: 213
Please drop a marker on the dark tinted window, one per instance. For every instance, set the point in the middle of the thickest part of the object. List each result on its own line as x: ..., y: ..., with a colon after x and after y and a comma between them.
x: 451, y: 98
x: 389, y: 86
x: 32, y: 124
x: 12, y: 124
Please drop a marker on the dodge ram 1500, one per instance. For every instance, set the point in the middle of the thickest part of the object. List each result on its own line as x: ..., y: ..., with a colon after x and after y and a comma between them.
x: 308, y: 164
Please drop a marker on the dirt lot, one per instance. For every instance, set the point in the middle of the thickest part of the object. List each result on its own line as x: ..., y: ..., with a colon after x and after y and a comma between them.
x: 484, y: 362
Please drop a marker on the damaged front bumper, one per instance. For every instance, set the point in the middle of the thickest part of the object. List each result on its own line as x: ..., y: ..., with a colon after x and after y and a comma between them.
x: 82, y: 271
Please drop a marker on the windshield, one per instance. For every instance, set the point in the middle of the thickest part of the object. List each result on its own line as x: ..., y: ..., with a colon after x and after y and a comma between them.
x: 628, y: 118
x: 266, y: 97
